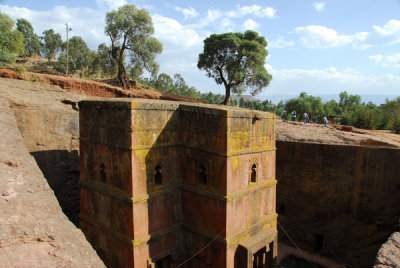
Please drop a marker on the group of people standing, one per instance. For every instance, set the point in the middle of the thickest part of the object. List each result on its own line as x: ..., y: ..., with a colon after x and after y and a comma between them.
x: 305, y: 117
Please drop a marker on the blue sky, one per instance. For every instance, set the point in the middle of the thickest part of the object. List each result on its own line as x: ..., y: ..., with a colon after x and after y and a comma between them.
x: 320, y: 47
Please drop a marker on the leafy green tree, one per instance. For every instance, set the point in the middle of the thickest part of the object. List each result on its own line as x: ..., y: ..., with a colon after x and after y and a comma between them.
x: 31, y: 40
x: 78, y: 56
x: 11, y: 41
x: 212, y: 98
x: 349, y: 101
x: 104, y: 63
x: 130, y: 29
x: 332, y: 111
x: 348, y: 104
x: 51, y: 44
x: 236, y: 60
x: 394, y: 124
x: 93, y: 69
x: 367, y: 116
x: 183, y: 89
x: 165, y: 83
x: 391, y: 115
x: 313, y: 106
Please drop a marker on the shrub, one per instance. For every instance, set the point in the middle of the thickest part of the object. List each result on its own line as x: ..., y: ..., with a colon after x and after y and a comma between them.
x: 394, y: 125
x: 19, y: 69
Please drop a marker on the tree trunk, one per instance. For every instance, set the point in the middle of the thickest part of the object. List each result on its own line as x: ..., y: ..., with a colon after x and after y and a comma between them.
x: 227, y: 100
x: 122, y: 76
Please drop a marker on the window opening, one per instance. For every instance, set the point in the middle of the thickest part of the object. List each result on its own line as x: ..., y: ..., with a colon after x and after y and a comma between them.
x: 253, y: 176
x: 202, y: 174
x: 158, y: 176
x: 102, y: 173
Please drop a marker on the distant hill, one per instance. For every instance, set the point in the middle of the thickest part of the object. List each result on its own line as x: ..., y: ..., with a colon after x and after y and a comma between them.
x: 245, y: 98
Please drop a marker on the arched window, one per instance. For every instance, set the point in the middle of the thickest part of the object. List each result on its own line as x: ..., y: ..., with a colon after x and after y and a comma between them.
x: 253, y: 175
x: 158, y: 175
x: 103, y: 175
x: 202, y: 174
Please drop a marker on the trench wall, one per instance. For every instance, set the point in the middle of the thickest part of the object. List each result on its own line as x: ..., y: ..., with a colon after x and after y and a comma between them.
x: 33, y: 230
x: 340, y: 201
x: 52, y: 137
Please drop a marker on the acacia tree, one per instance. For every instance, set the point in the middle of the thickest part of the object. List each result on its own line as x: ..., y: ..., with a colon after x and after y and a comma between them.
x: 52, y: 43
x: 11, y: 41
x: 31, y: 40
x: 237, y: 61
x: 130, y: 29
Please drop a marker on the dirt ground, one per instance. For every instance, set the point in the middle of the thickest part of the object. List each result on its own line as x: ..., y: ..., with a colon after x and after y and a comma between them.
x: 92, y: 88
x: 334, y: 134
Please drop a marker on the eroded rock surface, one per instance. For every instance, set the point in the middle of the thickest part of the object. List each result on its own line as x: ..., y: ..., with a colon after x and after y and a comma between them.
x: 389, y: 254
x: 48, y: 120
x: 34, y: 232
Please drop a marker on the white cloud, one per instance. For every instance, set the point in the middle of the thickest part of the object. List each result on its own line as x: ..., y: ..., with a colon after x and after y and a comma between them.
x: 330, y: 81
x: 255, y: 10
x: 212, y: 16
x: 376, y: 58
x: 392, y: 61
x: 113, y: 4
x: 319, y: 6
x: 250, y: 25
x: 170, y: 30
x: 390, y: 28
x: 388, y: 34
x: 280, y: 42
x: 188, y: 12
x: 92, y: 33
x: 316, y: 36
x: 225, y: 25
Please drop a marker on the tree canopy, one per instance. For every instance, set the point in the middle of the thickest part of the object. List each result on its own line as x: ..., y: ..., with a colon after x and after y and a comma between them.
x: 51, y: 43
x: 130, y: 29
x: 236, y: 60
x: 78, y: 55
x: 11, y: 41
x: 103, y: 62
x: 31, y: 40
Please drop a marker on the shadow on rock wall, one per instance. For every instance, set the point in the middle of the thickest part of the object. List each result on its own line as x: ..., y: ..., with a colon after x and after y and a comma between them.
x: 61, y: 170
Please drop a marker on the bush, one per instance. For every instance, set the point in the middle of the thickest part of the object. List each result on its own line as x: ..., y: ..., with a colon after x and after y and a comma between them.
x: 34, y: 79
x: 394, y: 125
x: 19, y: 69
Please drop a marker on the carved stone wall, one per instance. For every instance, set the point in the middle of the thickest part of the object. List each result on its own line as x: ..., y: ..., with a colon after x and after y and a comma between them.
x: 160, y: 180
x: 339, y: 201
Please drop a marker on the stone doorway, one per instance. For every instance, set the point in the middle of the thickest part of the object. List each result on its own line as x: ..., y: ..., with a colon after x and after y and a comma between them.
x: 263, y: 258
x: 259, y: 251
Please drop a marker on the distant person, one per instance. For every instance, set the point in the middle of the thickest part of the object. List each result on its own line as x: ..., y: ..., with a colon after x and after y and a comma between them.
x: 325, y: 121
x: 294, y: 116
x: 305, y: 116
